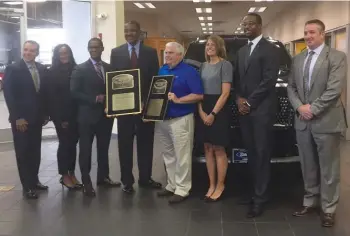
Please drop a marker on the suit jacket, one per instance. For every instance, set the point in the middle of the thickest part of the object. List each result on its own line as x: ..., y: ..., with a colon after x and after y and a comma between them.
x: 85, y: 86
x: 147, y: 63
x: 327, y: 81
x: 256, y: 82
x: 22, y: 99
x: 62, y: 107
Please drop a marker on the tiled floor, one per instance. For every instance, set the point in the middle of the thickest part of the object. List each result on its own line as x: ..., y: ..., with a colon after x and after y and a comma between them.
x: 62, y: 213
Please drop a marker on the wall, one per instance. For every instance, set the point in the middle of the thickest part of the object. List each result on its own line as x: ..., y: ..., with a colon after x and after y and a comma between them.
x: 289, y: 24
x: 155, y: 25
x: 4, y: 44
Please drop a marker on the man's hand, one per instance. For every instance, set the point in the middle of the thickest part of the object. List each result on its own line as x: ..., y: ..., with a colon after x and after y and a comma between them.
x: 172, y: 97
x: 305, y: 112
x: 64, y: 124
x: 243, y: 108
x: 100, y: 98
x: 209, y: 120
x: 203, y: 116
x: 21, y: 125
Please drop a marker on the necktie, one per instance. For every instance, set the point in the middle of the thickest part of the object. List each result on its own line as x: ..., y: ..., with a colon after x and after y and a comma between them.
x: 249, y: 48
x: 306, y: 76
x: 99, y: 70
x: 35, y: 77
x: 133, y: 58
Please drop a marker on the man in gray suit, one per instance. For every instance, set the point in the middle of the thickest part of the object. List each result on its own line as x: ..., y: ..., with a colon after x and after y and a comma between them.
x: 315, y: 85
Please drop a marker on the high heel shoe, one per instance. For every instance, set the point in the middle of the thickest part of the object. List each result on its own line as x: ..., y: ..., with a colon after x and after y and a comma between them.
x: 65, y: 185
x: 74, y: 180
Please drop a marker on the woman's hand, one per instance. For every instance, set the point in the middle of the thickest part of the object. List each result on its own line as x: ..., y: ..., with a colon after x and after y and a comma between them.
x: 209, y: 120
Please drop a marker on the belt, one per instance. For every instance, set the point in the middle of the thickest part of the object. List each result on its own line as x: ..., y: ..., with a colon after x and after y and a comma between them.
x: 170, y: 118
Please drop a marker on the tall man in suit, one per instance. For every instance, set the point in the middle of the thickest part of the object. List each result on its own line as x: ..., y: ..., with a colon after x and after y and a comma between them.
x: 256, y: 74
x: 135, y: 55
x: 89, y: 89
x: 315, y: 85
x: 24, y: 91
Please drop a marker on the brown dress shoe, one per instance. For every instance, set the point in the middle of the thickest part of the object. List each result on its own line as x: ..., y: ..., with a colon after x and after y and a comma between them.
x: 327, y: 220
x: 176, y: 199
x: 304, y: 211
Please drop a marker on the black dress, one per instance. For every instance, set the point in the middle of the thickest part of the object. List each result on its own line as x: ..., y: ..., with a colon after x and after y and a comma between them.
x: 213, y: 75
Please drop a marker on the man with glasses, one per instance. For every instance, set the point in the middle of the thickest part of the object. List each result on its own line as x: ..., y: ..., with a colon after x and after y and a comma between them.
x: 89, y: 90
x: 255, y: 78
x: 24, y: 92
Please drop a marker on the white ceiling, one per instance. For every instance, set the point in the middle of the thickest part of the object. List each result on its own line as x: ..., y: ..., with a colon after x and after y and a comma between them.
x: 227, y: 15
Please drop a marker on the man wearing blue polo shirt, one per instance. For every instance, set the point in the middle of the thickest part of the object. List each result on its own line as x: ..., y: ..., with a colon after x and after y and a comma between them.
x: 176, y: 131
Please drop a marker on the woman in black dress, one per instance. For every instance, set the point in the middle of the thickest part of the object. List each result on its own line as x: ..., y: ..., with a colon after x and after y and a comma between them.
x: 216, y: 74
x: 63, y: 112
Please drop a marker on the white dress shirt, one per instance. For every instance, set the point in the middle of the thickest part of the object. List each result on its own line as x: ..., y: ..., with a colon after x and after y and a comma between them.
x: 255, y: 42
x: 313, y: 60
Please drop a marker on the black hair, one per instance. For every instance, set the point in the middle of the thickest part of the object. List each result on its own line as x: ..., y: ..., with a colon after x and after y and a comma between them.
x: 97, y: 40
x: 317, y: 22
x: 257, y: 16
x: 134, y: 22
x: 56, y: 62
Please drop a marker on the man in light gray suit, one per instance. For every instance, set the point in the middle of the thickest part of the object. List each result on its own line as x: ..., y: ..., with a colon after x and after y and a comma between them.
x: 315, y: 85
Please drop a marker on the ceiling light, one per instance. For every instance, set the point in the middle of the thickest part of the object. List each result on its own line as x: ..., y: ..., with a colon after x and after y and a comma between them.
x: 236, y: 32
x: 207, y: 0
x: 195, y: 0
x: 210, y: 32
x: 199, y: 10
x: 252, y: 9
x: 210, y: 28
x: 139, y: 5
x: 205, y: 32
x: 262, y: 9
x: 269, y: 0
x: 15, y: 17
x: 204, y: 28
x: 202, y: 24
x: 210, y: 24
x: 258, y: 0
x: 150, y: 5
x: 239, y: 28
x: 208, y: 10
x: 242, y: 32
x: 13, y: 3
x: 210, y: 18
x: 201, y: 18
x: 36, y: 0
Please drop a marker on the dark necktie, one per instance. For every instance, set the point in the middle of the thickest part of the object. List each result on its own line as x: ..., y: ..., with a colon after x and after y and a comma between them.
x: 306, y: 76
x: 133, y: 58
x: 99, y: 70
x: 249, y: 48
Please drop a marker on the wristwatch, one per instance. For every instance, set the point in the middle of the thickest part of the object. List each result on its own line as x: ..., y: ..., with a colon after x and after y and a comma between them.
x: 213, y: 113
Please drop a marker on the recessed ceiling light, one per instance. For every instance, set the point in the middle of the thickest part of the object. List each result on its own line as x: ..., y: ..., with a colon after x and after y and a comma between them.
x: 199, y: 10
x: 13, y: 3
x: 242, y: 32
x: 210, y: 18
x: 210, y: 24
x: 205, y: 32
x: 208, y: 10
x: 150, y: 5
x: 207, y: 0
x: 36, y: 0
x: 258, y: 0
x: 252, y: 9
x: 202, y: 24
x: 210, y: 32
x: 195, y: 0
x: 210, y: 28
x: 139, y: 5
x: 236, y: 32
x: 204, y: 28
x: 262, y: 9
x: 15, y: 17
x: 201, y: 18
x: 269, y: 0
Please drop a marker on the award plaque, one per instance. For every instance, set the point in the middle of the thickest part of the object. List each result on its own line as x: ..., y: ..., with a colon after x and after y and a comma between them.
x: 157, y: 101
x: 123, y: 93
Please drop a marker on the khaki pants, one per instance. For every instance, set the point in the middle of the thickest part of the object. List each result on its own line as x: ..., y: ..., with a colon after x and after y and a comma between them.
x: 176, y: 137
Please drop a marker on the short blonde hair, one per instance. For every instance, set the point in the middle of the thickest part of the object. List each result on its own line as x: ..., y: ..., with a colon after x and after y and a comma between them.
x: 219, y: 45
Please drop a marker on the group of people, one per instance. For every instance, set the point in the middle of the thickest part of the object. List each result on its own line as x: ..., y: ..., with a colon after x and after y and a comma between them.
x: 73, y: 97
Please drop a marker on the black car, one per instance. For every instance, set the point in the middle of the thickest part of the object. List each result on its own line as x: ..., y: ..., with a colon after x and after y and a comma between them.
x: 284, y: 143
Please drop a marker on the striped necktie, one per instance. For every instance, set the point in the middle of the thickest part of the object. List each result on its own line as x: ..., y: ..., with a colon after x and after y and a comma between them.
x: 306, y: 77
x: 35, y: 77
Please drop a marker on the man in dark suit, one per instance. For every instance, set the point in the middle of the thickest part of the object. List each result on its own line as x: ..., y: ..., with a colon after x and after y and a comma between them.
x: 135, y: 55
x: 89, y: 89
x: 256, y: 74
x: 24, y: 91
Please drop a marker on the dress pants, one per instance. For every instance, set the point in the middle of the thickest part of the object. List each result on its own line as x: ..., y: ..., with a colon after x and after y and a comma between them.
x: 176, y: 137
x: 257, y: 135
x: 28, y: 153
x: 320, y: 164
x: 102, y: 130
x: 128, y: 127
x: 67, y: 147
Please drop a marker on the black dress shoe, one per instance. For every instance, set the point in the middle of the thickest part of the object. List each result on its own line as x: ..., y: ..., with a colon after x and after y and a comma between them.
x: 88, y: 190
x: 128, y: 189
x: 107, y: 182
x: 176, y: 199
x: 165, y: 193
x: 40, y: 186
x: 327, y: 220
x: 304, y: 211
x: 150, y: 184
x: 30, y: 194
x: 255, y: 210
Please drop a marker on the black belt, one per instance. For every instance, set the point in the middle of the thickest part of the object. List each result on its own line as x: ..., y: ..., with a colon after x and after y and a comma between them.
x: 170, y: 118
